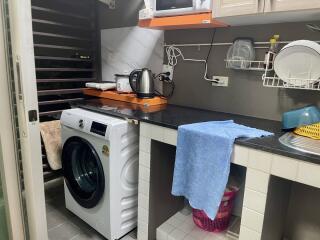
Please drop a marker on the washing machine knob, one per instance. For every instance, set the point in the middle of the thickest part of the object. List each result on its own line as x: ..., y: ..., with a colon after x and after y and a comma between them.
x: 81, y: 123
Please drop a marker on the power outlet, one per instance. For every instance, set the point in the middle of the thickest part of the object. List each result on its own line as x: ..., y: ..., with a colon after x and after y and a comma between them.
x: 222, y: 81
x: 168, y: 68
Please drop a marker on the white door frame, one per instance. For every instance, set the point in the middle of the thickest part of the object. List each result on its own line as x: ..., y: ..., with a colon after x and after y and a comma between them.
x: 27, y: 100
x: 9, y: 165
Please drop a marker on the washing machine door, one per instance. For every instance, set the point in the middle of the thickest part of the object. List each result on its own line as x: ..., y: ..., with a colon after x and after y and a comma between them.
x: 83, y: 172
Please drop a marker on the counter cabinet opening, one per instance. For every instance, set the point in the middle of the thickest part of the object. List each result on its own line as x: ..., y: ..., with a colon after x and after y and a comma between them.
x: 174, y: 214
x: 292, y: 211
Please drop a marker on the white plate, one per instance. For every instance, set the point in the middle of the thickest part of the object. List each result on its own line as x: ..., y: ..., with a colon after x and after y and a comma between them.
x: 306, y: 43
x: 298, y: 63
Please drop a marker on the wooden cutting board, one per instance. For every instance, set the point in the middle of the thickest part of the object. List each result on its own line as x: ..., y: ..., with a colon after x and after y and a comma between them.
x: 125, y: 97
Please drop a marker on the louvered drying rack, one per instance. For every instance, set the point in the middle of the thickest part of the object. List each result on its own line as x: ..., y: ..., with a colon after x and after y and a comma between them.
x: 66, y: 42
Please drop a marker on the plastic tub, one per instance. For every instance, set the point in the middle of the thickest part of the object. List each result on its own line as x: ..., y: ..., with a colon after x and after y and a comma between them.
x: 222, y: 220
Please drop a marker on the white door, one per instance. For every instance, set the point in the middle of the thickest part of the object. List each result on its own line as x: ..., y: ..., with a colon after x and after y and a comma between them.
x: 12, y: 218
x: 25, y: 90
x: 225, y: 8
x: 290, y: 5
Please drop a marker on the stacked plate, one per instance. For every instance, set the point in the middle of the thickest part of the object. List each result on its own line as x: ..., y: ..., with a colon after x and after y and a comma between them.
x: 298, y: 63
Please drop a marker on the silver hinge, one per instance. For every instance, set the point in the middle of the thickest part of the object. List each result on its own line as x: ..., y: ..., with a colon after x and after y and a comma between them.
x: 111, y: 3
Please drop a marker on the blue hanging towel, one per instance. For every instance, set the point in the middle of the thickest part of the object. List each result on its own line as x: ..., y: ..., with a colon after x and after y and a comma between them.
x: 203, y: 159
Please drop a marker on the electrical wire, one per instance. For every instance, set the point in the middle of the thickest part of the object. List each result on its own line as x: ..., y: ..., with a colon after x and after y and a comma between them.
x: 209, y: 53
x: 164, y: 78
x: 173, y: 53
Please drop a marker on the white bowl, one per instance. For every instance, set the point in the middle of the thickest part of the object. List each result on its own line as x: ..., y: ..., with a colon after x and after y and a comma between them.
x: 298, y: 63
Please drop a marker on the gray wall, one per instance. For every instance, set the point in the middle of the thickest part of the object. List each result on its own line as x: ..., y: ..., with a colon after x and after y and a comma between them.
x: 125, y: 14
x: 303, y: 219
x: 245, y: 94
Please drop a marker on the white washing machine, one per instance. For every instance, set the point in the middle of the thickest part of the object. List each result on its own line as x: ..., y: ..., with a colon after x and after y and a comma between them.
x: 100, y: 166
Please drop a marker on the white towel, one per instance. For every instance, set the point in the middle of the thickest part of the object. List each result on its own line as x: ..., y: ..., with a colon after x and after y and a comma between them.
x: 51, y: 136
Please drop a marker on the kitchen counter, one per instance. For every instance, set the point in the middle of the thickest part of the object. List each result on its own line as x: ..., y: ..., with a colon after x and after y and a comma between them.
x: 172, y: 116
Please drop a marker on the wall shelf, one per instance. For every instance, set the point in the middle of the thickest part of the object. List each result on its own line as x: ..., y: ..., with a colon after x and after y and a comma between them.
x: 292, y: 83
x: 202, y: 20
x: 271, y: 79
x: 246, y: 65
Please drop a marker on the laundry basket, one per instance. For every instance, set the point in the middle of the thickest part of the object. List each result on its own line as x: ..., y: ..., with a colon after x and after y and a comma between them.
x: 223, y: 217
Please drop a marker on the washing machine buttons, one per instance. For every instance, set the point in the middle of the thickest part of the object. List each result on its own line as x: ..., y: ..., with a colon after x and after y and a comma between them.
x: 81, y: 123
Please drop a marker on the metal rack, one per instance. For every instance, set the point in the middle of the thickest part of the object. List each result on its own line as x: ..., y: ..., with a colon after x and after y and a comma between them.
x: 66, y: 54
x: 246, y: 65
x: 66, y: 42
x: 272, y: 80
x: 257, y: 45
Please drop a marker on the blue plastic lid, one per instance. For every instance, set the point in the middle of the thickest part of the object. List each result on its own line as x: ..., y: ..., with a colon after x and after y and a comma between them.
x: 301, y: 117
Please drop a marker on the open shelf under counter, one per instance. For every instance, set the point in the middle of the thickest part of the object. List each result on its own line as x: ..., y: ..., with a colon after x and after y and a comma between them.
x: 201, y: 20
x: 181, y: 226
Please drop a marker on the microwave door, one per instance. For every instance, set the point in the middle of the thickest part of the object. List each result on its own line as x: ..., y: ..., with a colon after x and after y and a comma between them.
x: 173, y: 4
x: 173, y: 7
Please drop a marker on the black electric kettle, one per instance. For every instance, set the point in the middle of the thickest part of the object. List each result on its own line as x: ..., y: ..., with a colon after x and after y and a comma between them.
x: 141, y: 82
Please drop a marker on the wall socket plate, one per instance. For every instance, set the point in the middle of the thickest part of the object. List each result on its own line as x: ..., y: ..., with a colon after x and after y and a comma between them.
x: 223, y: 81
x: 168, y: 68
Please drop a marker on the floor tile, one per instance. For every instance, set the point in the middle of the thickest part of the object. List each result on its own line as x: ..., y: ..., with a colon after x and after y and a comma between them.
x: 65, y: 231
x: 55, y: 218
x: 63, y: 224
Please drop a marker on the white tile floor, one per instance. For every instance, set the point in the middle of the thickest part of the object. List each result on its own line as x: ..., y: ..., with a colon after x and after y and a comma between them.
x: 181, y: 227
x: 62, y: 224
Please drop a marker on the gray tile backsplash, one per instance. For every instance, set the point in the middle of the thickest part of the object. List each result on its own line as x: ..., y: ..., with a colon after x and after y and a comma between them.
x: 245, y: 94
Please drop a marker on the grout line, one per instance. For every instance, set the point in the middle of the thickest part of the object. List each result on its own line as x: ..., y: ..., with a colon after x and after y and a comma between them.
x: 75, y: 236
x: 251, y: 229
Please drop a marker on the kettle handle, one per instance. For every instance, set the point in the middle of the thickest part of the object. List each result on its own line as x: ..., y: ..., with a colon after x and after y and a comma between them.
x: 134, y: 75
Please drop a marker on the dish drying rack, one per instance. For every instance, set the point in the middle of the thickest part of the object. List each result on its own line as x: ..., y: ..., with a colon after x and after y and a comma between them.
x: 246, y: 65
x: 271, y: 79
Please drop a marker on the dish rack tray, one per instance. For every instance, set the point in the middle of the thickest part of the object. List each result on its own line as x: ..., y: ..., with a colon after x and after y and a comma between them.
x: 271, y: 79
x: 246, y: 65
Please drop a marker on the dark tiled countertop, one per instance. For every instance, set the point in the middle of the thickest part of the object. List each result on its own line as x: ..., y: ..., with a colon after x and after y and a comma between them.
x: 172, y: 116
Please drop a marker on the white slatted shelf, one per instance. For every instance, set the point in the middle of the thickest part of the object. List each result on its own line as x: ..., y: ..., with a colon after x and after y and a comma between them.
x: 60, y: 101
x: 59, y: 91
x: 63, y: 59
x: 53, y: 11
x: 65, y: 69
x: 62, y: 30
x: 55, y: 35
x: 57, y: 80
x: 65, y: 25
x: 60, y: 47
x: 50, y: 113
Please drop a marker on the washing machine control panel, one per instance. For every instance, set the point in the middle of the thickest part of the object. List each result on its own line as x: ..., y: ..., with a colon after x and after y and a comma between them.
x: 98, y: 128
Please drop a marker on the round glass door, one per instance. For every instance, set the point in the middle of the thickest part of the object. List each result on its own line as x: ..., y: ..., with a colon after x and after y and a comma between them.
x: 83, y: 172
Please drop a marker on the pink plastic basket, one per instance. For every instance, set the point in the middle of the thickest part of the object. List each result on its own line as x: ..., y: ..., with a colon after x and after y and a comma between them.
x: 222, y: 220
